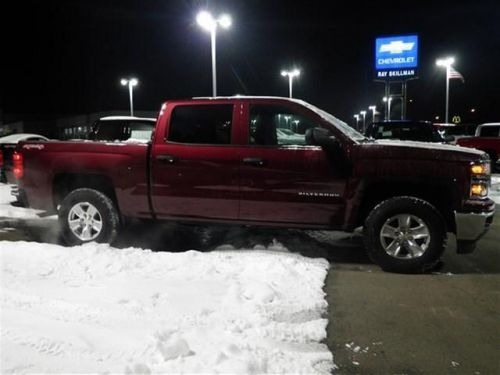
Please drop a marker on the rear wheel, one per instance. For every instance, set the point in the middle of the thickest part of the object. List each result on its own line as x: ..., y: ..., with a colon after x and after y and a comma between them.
x: 88, y: 215
x: 405, y: 234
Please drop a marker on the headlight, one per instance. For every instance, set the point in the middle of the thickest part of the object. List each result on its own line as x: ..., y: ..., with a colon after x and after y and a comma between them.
x: 480, y: 179
x: 480, y: 168
x: 478, y: 190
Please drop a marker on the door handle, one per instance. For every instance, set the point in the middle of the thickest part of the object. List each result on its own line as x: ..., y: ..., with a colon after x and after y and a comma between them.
x: 170, y: 159
x: 259, y: 162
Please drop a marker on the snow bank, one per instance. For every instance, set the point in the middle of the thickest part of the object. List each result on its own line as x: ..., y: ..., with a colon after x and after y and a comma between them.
x: 495, y: 188
x: 94, y: 308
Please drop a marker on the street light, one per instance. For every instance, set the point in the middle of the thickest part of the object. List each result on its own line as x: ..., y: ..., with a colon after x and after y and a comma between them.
x: 131, y: 82
x: 373, y: 108
x: 388, y: 112
x: 287, y: 118
x: 357, y: 121
x: 291, y: 74
x: 363, y: 113
x: 447, y: 63
x: 208, y: 23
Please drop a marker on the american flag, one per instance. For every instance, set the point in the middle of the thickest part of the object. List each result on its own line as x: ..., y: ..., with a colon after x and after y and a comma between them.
x: 454, y: 74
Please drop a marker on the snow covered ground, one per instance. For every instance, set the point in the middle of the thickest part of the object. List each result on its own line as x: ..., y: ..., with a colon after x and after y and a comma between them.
x: 7, y: 210
x: 495, y: 188
x: 98, y: 309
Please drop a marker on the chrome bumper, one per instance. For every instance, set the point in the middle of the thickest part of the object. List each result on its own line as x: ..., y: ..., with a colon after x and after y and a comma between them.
x: 472, y: 226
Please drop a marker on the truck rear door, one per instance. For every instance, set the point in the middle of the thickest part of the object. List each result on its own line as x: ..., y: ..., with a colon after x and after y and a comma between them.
x: 194, y: 166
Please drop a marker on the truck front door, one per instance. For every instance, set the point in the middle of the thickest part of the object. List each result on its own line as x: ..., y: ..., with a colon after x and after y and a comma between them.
x: 284, y: 180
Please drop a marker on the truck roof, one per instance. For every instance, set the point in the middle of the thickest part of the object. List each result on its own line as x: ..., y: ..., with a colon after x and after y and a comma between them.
x: 241, y: 97
x: 111, y: 118
x: 490, y: 124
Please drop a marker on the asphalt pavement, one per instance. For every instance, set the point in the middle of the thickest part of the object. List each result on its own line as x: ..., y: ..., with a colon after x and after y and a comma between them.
x: 443, y: 322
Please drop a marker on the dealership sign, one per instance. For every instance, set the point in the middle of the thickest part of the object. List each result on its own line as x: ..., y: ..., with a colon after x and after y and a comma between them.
x: 396, y: 57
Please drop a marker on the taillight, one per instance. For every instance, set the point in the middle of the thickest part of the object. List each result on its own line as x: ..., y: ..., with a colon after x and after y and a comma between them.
x: 17, y: 164
x: 1, y: 159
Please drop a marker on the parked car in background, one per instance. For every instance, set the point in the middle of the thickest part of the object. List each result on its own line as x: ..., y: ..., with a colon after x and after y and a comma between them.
x: 487, y: 139
x: 122, y: 128
x: 490, y: 129
x: 289, y: 137
x: 456, y: 130
x: 7, y: 147
x: 406, y: 130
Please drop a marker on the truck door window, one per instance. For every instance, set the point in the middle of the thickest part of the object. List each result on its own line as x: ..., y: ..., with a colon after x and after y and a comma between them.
x: 201, y: 124
x: 275, y: 125
x: 489, y: 131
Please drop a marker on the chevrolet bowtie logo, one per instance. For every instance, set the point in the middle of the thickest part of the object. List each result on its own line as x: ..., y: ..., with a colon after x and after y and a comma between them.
x: 396, y: 46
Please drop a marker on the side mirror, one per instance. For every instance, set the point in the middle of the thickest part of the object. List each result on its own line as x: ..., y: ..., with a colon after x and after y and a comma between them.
x: 320, y: 137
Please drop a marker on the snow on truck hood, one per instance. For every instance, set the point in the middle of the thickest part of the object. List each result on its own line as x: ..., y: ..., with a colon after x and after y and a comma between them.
x: 429, y: 146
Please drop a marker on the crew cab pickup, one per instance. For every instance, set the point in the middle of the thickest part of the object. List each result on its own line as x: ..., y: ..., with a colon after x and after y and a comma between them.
x: 223, y: 160
x: 487, y: 139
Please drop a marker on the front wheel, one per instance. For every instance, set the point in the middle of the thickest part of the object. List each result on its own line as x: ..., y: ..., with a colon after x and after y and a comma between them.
x: 405, y: 234
x: 88, y: 215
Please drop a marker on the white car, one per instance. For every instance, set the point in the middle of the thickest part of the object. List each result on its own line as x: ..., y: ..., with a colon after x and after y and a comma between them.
x: 123, y: 129
x: 288, y: 137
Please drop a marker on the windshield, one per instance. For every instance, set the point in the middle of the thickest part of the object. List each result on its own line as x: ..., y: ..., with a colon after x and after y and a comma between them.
x: 340, y: 125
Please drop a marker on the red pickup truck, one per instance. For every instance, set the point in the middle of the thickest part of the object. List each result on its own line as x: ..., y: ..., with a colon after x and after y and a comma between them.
x: 487, y: 139
x: 224, y: 160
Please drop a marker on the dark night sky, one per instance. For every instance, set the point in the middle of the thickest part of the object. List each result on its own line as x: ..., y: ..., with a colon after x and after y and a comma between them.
x: 66, y: 57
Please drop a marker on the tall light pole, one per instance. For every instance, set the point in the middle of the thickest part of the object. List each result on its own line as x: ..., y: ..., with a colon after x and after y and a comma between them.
x: 447, y: 63
x: 291, y: 74
x: 388, y: 100
x: 373, y: 108
x: 209, y: 23
x: 131, y: 82
x: 363, y: 113
x: 356, y: 116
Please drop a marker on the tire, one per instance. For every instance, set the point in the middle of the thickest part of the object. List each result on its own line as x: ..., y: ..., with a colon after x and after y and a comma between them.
x: 87, y: 215
x: 405, y: 235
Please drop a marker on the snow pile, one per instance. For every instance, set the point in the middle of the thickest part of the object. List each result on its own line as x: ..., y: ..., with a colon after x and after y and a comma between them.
x: 94, y: 308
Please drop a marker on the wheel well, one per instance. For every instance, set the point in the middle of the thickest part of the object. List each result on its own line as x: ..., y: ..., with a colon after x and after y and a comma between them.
x: 66, y: 183
x: 440, y: 197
